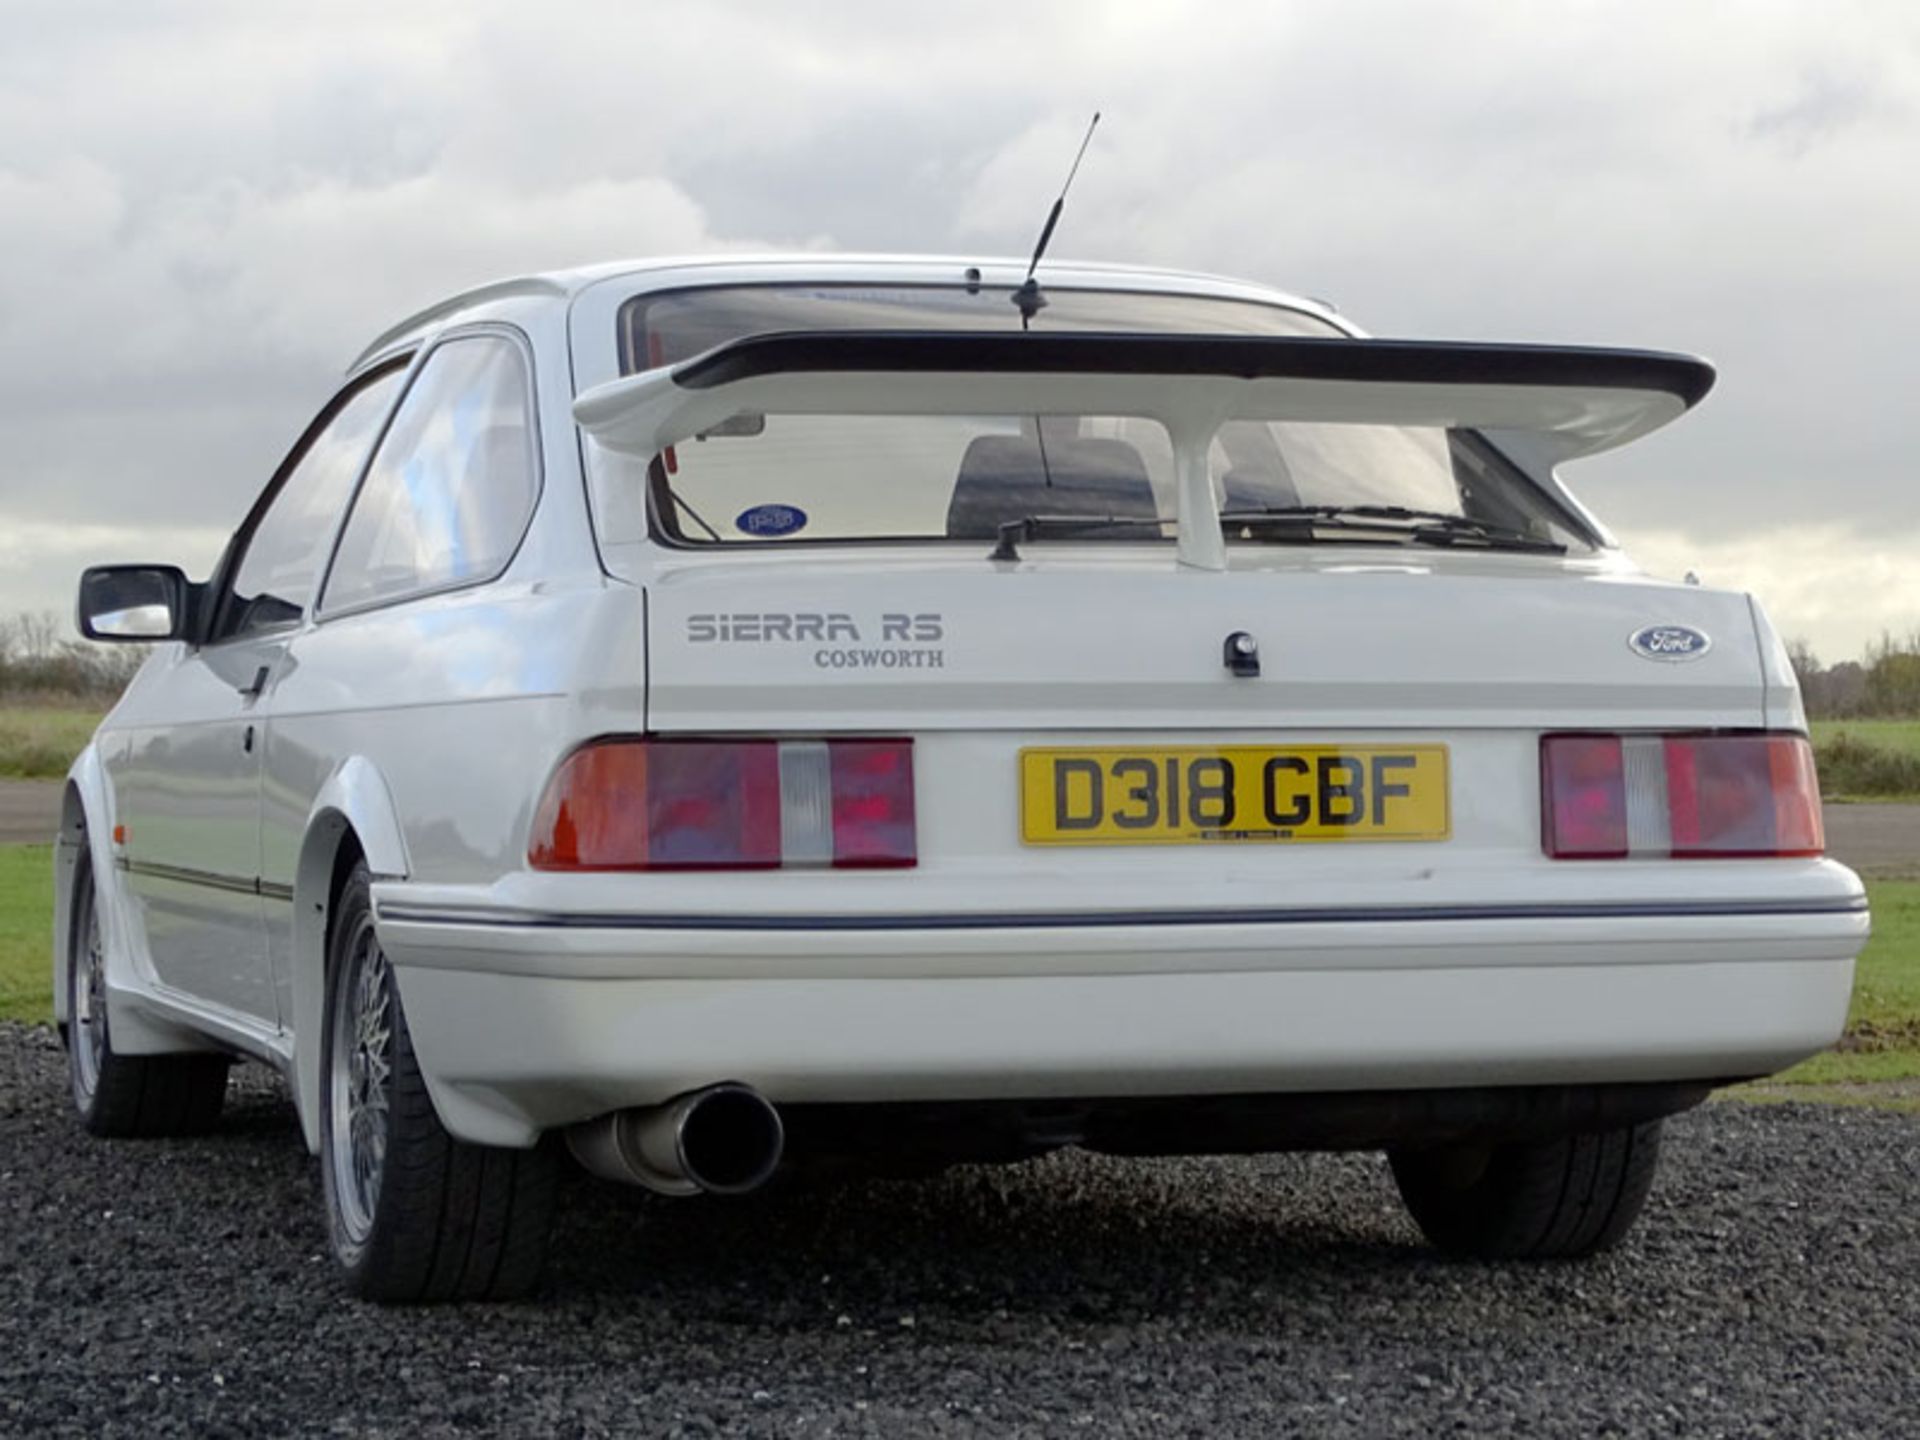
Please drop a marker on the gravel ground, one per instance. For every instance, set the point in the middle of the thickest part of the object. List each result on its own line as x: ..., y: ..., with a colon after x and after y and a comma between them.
x: 1772, y: 1289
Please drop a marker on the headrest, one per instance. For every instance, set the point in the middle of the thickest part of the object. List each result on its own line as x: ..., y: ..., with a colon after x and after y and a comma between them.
x: 1003, y: 477
x: 1255, y: 490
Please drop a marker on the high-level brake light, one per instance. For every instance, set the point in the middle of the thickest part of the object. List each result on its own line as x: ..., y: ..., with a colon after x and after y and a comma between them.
x: 673, y: 804
x: 1689, y: 797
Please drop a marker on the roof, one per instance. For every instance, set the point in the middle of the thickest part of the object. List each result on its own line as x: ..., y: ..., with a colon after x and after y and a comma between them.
x: 564, y: 284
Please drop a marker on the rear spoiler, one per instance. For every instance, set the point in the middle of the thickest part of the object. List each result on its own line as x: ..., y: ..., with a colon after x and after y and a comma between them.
x: 1546, y: 403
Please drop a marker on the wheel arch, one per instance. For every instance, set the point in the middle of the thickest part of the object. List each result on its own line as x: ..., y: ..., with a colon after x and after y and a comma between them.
x: 352, y: 818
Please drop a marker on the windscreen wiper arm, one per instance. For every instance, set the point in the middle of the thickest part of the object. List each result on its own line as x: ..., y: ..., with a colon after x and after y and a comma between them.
x: 1430, y: 527
x: 1026, y: 527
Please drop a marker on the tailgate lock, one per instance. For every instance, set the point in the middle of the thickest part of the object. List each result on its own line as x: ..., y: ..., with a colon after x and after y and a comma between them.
x: 1241, y: 654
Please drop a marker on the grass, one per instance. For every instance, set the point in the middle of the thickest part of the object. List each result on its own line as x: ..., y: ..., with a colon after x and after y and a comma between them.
x: 40, y: 741
x: 1868, y: 759
x: 1882, y: 1042
x: 1886, y: 734
x: 26, y: 932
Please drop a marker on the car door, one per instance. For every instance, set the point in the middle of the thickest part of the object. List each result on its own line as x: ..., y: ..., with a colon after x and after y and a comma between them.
x: 400, y: 642
x: 187, y: 779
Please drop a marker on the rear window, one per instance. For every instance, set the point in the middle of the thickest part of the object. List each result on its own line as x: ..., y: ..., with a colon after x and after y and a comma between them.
x: 452, y: 486
x: 783, y: 479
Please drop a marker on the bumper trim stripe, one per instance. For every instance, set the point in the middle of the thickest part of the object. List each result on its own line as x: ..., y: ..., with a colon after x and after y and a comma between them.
x: 401, y: 912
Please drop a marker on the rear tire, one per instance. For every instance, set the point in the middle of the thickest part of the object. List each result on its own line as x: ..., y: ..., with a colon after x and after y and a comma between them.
x: 126, y: 1096
x: 1548, y: 1199
x: 413, y: 1214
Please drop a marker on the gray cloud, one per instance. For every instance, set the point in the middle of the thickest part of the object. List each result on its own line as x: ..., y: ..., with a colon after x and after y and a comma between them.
x: 209, y: 208
x: 1822, y: 107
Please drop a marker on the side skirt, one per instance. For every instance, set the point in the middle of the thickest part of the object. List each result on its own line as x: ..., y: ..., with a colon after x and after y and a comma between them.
x: 159, y: 1021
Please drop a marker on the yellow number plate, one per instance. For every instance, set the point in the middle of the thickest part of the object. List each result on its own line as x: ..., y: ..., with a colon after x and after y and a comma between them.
x: 1233, y: 792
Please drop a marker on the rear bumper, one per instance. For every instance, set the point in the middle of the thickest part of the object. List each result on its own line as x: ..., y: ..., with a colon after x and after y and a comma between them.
x: 525, y: 1022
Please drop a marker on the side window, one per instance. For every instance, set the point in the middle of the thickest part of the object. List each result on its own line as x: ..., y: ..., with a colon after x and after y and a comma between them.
x: 281, y: 563
x: 451, y: 489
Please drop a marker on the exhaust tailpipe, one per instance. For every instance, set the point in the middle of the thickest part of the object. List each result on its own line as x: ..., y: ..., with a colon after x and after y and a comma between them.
x: 723, y: 1140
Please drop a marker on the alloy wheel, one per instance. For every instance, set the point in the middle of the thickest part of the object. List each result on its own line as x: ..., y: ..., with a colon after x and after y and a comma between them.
x: 360, y: 1081
x: 87, y: 1032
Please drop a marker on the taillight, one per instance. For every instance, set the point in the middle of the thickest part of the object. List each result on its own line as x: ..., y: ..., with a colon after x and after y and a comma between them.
x: 1743, y: 795
x: 660, y: 804
x: 1688, y: 797
x: 1583, y: 788
x: 872, y: 802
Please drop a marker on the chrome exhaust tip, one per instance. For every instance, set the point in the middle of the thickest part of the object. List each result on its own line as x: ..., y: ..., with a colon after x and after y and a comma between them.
x: 724, y: 1140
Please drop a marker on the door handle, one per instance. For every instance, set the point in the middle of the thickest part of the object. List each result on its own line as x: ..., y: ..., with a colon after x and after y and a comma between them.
x: 252, y: 690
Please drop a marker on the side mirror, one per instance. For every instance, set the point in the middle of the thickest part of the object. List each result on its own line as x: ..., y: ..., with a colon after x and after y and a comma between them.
x: 133, y: 602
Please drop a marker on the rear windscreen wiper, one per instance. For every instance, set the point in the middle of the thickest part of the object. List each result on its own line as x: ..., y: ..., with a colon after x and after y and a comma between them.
x: 1027, y: 527
x: 1429, y: 527
x: 1297, y: 523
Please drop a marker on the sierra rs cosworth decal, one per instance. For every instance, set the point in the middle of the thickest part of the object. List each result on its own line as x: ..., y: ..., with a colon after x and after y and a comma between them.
x: 895, y: 641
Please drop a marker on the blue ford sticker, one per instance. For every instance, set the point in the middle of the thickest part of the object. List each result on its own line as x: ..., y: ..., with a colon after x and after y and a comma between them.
x: 771, y: 520
x: 1670, y: 642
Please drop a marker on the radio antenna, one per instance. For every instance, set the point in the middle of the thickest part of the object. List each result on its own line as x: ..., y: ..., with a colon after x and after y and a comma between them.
x: 1028, y: 297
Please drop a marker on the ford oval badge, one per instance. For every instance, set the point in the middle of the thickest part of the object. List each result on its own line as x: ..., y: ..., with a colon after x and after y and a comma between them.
x: 770, y: 520
x: 1670, y: 642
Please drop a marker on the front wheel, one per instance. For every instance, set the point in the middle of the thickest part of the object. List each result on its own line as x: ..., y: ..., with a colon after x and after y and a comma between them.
x: 414, y: 1214
x: 126, y: 1096
x: 1546, y: 1199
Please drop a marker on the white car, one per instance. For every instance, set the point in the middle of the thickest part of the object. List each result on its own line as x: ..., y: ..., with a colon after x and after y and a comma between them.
x: 709, y: 715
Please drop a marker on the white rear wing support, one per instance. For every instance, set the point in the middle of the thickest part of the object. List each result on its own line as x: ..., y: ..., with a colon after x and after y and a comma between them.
x: 1566, y: 402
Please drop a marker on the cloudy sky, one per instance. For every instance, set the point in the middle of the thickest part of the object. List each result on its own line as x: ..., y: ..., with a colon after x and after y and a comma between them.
x: 205, y: 209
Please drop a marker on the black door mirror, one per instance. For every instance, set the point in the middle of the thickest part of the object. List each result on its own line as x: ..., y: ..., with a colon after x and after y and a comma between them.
x: 133, y: 602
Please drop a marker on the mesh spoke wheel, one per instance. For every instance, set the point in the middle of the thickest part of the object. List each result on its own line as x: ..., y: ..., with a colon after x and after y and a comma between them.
x: 413, y: 1214
x: 359, y: 1077
x: 126, y: 1096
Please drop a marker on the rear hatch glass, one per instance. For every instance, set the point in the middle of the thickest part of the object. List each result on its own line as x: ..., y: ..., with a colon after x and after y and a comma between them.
x: 782, y: 479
